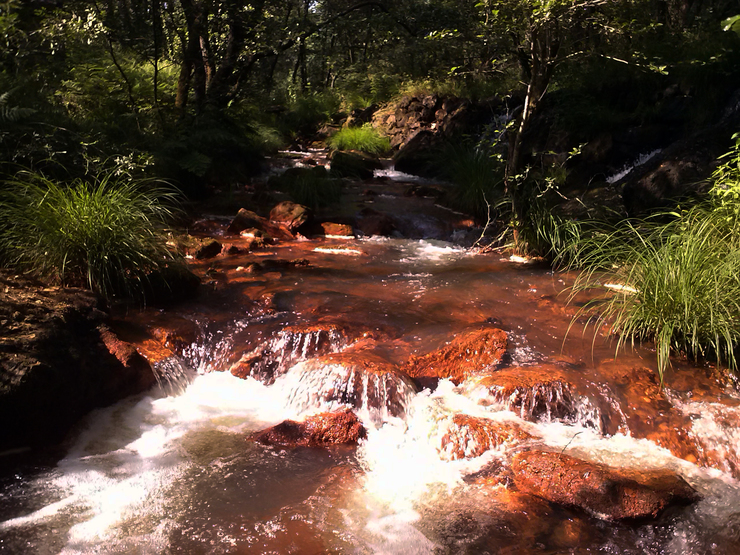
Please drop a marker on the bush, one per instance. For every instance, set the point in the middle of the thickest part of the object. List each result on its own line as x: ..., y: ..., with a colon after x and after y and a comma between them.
x: 106, y: 235
x: 365, y: 139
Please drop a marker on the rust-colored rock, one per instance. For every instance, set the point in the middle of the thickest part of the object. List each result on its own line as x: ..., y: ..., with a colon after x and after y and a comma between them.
x: 532, y: 391
x: 606, y: 492
x: 470, y: 436
x: 294, y: 344
x: 469, y: 354
x: 245, y: 219
x: 328, y: 428
x: 290, y: 215
x: 129, y: 357
x: 335, y: 230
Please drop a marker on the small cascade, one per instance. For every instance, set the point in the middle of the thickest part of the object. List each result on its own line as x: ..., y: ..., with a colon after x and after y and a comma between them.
x: 290, y: 346
x: 377, y: 395
x: 625, y: 171
x: 173, y: 375
x: 716, y: 428
x: 547, y: 402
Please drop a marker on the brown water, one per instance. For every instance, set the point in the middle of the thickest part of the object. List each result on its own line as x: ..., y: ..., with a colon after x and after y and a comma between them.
x: 172, y: 472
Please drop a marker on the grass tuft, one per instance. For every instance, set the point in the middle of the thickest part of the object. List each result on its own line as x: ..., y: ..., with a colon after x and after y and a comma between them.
x: 107, y: 235
x: 674, y: 283
x: 365, y: 139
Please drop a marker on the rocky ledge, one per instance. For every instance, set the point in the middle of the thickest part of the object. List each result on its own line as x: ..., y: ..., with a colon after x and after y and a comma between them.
x: 58, y: 360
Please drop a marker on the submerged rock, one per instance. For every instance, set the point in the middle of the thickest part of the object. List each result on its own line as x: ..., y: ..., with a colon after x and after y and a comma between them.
x: 469, y: 354
x: 470, y: 436
x: 605, y: 492
x: 328, y: 428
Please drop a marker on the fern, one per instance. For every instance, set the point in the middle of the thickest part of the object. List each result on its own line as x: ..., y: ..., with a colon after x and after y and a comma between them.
x: 12, y: 114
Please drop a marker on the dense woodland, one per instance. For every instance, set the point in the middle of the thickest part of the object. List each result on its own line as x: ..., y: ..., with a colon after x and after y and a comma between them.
x: 96, y: 95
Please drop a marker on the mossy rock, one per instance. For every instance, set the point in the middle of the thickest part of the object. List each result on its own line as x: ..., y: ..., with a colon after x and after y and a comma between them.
x: 354, y: 164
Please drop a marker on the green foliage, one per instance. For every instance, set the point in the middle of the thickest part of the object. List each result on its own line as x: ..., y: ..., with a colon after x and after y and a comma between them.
x: 676, y: 283
x: 310, y: 187
x: 673, y: 278
x: 107, y: 234
x: 477, y: 176
x: 307, y: 113
x: 365, y: 139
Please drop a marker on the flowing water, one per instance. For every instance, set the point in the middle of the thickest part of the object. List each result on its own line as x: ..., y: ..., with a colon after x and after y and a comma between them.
x: 173, y: 471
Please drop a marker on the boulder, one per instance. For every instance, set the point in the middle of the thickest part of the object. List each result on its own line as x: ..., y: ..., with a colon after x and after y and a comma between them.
x: 207, y: 249
x: 331, y: 229
x: 470, y: 353
x: 470, y: 436
x: 328, y: 428
x: 245, y: 219
x: 419, y: 155
x: 606, y: 492
x: 354, y: 164
x: 290, y: 215
x: 371, y: 222
x: 58, y: 361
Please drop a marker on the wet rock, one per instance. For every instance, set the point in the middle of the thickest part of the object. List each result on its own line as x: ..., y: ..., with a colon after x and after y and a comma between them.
x: 245, y: 219
x: 290, y: 215
x: 328, y: 428
x: 290, y: 346
x: 546, y: 392
x: 331, y: 229
x: 208, y: 249
x: 606, y: 492
x: 359, y: 379
x: 58, y: 361
x: 470, y: 436
x: 354, y: 164
x: 469, y: 354
x: 371, y: 222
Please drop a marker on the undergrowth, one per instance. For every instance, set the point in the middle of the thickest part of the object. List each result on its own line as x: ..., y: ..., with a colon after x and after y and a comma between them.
x: 107, y: 234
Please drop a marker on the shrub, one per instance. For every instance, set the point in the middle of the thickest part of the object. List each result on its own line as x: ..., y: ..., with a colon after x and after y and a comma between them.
x: 107, y: 234
x: 365, y: 139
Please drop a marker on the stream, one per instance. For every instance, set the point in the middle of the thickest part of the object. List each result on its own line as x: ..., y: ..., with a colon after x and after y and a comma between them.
x: 173, y: 470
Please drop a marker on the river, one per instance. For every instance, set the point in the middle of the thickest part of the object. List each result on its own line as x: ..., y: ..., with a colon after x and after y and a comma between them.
x: 173, y: 471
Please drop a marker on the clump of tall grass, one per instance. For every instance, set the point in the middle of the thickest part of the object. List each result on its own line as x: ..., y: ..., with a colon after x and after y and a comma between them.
x: 365, y: 139
x: 477, y: 176
x: 107, y: 234
x: 673, y: 279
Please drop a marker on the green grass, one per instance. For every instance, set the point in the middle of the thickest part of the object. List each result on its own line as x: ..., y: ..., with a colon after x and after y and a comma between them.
x: 477, y: 177
x: 106, y: 235
x: 674, y: 283
x: 365, y: 139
